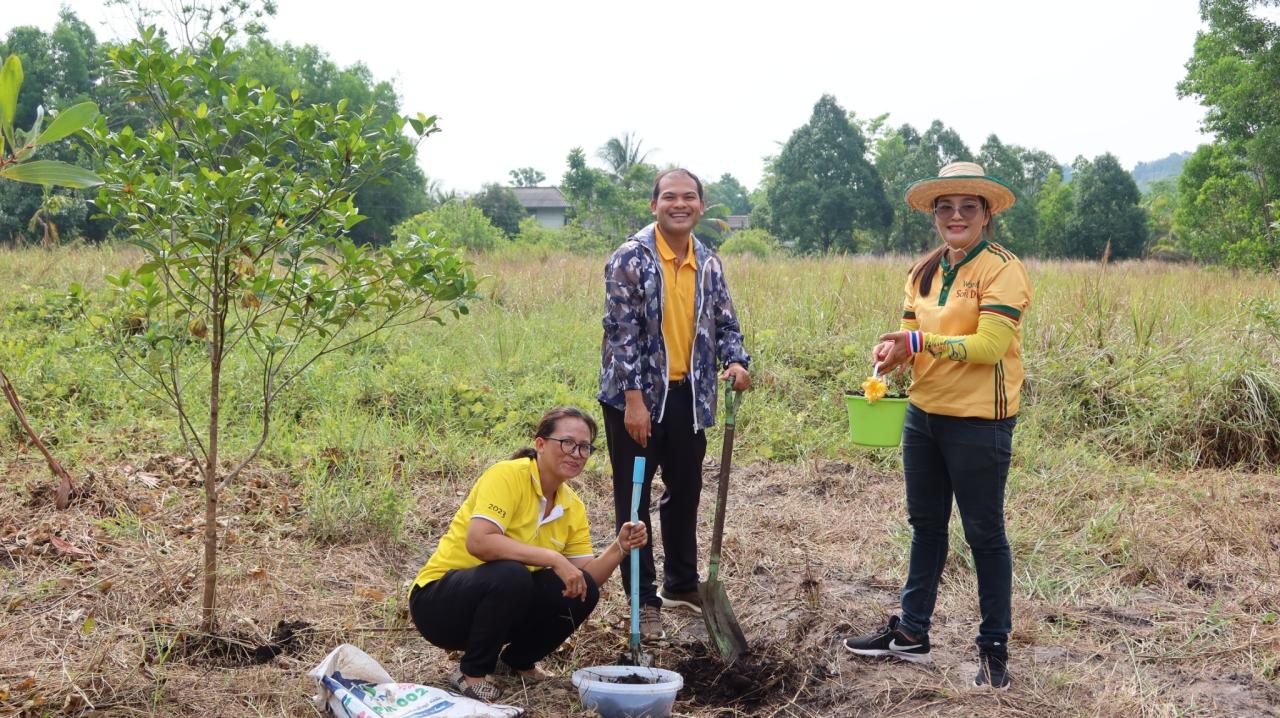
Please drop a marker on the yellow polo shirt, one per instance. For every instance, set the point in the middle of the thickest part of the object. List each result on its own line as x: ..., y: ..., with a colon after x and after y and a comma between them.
x: 509, y: 494
x: 679, y: 285
x: 989, y: 284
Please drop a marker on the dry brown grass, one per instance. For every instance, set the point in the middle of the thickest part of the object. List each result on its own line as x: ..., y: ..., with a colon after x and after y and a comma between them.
x: 1141, y: 588
x: 94, y: 597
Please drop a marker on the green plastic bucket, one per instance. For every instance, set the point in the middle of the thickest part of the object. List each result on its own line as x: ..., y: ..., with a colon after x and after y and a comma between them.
x: 877, y: 424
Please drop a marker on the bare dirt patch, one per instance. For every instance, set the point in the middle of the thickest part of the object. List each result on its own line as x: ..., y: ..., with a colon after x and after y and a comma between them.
x: 1169, y: 611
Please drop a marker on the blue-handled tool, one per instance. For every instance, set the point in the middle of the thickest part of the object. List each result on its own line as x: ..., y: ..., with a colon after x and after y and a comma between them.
x: 637, y: 485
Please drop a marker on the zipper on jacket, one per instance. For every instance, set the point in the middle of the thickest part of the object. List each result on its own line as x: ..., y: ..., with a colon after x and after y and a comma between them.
x: 666, y: 351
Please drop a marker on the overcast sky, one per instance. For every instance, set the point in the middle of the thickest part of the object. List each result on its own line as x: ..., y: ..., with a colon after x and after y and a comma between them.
x: 717, y: 86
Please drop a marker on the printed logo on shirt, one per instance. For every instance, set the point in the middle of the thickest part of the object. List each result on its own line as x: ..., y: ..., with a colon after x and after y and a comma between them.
x: 967, y: 290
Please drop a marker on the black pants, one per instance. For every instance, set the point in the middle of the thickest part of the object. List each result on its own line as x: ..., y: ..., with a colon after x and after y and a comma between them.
x: 479, y: 610
x: 946, y: 456
x: 678, y: 450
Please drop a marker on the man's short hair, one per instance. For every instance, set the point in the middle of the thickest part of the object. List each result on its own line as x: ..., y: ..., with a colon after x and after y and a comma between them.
x: 677, y: 171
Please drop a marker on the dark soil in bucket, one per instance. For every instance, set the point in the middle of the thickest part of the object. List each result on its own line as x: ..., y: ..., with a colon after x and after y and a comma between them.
x: 753, y: 679
x: 629, y: 679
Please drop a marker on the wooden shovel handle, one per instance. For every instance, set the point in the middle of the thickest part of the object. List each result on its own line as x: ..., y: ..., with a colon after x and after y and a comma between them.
x: 731, y: 400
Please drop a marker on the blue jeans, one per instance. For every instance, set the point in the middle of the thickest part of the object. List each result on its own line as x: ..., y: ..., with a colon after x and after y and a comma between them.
x: 946, y: 456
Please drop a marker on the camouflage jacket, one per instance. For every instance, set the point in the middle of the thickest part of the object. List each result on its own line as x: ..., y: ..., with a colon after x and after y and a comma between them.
x: 634, y: 353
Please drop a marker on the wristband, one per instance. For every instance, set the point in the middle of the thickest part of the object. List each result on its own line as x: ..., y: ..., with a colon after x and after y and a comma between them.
x: 915, y: 341
x: 621, y: 551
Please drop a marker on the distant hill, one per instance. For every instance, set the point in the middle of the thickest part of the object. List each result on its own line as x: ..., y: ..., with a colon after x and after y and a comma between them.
x: 1144, y: 173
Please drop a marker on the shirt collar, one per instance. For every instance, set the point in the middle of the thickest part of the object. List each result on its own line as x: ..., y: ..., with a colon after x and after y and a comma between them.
x: 557, y: 510
x: 669, y: 255
x: 535, y: 477
x: 973, y: 252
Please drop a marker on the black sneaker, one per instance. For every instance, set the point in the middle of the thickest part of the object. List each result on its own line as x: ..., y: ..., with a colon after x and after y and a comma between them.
x: 690, y: 601
x: 993, y: 667
x: 890, y: 641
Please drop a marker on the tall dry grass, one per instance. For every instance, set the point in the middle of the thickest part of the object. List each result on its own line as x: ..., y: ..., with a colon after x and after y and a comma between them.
x: 1141, y: 504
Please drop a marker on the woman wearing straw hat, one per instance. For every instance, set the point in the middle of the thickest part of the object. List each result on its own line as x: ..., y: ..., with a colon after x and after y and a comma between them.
x: 960, y: 331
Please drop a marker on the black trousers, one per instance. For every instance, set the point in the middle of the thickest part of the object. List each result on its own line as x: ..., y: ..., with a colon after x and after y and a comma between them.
x: 968, y: 459
x: 479, y: 610
x: 678, y: 450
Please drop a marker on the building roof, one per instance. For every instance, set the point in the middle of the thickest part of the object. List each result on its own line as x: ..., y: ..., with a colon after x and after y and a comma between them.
x: 738, y: 221
x: 541, y: 197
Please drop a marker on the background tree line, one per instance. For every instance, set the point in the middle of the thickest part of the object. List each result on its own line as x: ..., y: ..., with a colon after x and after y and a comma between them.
x: 835, y: 185
x: 68, y: 65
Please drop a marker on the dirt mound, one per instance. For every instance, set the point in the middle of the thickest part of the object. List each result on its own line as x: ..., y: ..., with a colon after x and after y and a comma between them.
x: 766, y: 673
x: 235, y: 649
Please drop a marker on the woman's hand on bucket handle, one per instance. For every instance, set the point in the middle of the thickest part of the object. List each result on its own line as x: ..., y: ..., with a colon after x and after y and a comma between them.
x: 893, y: 350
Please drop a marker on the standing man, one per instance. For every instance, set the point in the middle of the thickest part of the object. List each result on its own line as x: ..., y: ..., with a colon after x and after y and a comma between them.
x: 668, y: 324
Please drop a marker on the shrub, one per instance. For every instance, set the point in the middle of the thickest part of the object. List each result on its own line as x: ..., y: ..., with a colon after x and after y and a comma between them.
x: 455, y: 224
x: 757, y: 242
x: 346, y: 502
x: 533, y: 233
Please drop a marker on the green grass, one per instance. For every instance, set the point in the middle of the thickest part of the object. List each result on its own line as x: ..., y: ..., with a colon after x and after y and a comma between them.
x: 1140, y: 363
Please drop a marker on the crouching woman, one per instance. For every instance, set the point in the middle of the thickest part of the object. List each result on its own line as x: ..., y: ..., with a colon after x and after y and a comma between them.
x: 515, y: 574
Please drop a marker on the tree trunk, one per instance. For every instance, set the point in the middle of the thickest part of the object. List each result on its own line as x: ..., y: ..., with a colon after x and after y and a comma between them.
x: 208, y: 603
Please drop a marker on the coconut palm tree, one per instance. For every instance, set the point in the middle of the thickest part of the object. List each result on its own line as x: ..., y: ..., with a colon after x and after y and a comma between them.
x: 622, y: 153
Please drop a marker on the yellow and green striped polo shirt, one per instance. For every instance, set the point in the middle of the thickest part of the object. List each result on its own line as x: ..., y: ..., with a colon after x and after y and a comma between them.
x: 992, y: 284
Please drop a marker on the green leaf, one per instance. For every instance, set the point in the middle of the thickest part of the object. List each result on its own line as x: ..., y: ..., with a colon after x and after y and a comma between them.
x: 52, y: 173
x: 70, y: 120
x: 30, y: 137
x: 352, y: 220
x: 10, y: 81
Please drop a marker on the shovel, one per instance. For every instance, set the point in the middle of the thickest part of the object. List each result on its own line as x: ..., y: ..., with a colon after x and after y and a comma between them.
x: 722, y: 625
x: 635, y: 656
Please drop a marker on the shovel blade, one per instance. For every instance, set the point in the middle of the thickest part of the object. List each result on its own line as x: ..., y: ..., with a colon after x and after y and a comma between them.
x: 722, y: 625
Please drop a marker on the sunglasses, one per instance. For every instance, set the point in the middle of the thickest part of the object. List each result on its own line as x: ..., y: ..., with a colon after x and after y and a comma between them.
x: 967, y: 210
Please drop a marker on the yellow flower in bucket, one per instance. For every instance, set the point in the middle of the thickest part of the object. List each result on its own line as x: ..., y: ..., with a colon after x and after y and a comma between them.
x: 874, y: 389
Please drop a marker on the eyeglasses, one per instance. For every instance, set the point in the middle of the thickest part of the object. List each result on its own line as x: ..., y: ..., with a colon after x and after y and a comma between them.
x: 946, y: 210
x: 571, y: 447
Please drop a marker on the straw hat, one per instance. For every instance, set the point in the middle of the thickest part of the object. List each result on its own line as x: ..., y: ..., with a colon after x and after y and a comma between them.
x: 961, y: 178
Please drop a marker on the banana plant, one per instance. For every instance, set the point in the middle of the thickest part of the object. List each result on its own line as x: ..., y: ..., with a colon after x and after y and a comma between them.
x: 18, y: 147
